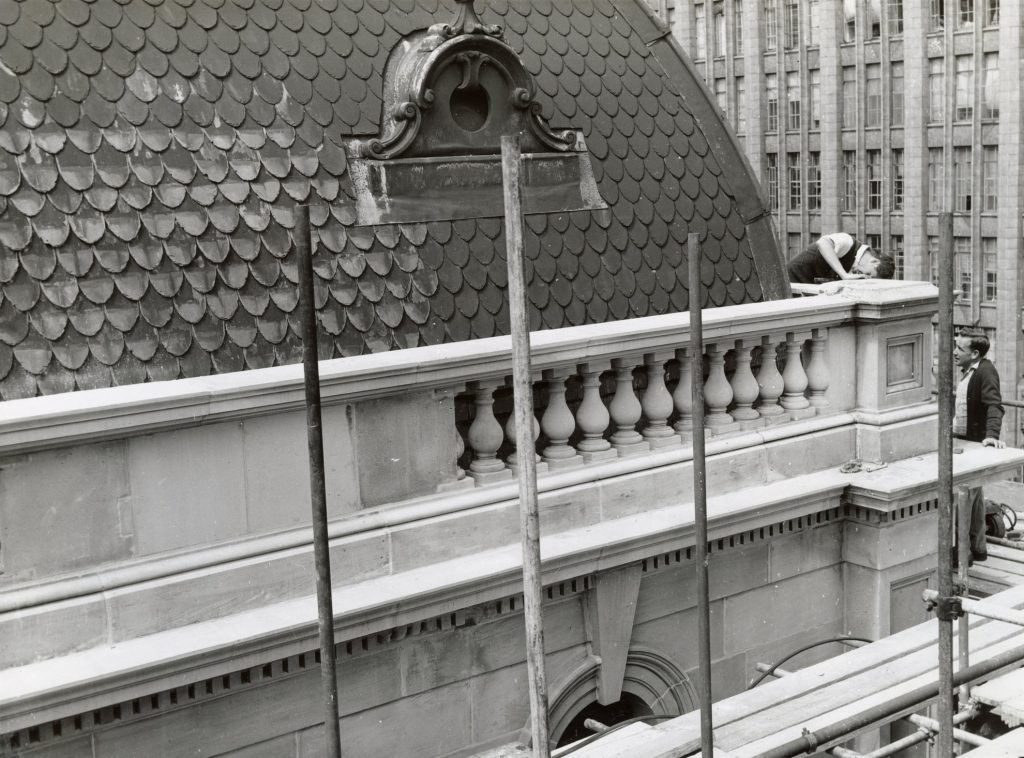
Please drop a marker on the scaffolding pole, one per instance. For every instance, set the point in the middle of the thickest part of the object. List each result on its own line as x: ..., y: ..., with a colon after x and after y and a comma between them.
x: 700, y: 495
x: 318, y: 486
x: 522, y: 386
x: 963, y: 552
x: 945, y: 610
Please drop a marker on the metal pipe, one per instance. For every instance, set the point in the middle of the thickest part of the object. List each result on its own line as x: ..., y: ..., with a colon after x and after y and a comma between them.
x: 963, y: 552
x: 809, y: 742
x: 929, y: 726
x: 945, y: 455
x: 700, y: 495
x: 1005, y: 543
x: 983, y: 609
x: 522, y: 386
x: 317, y: 485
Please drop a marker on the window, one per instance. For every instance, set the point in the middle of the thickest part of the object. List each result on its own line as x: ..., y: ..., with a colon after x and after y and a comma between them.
x: 991, y: 12
x: 850, y: 27
x: 895, y: 17
x: 741, y: 105
x: 791, y: 24
x: 965, y: 14
x: 936, y: 168
x: 815, y: 99
x: 793, y: 99
x: 719, y: 27
x: 962, y: 268
x: 720, y: 95
x: 873, y: 95
x: 771, y: 86
x: 700, y: 31
x: 990, y: 86
x: 963, y: 200
x: 896, y: 251
x: 874, y: 241
x: 896, y: 93
x: 849, y: 97
x: 874, y: 167
x: 964, y: 87
x: 771, y: 180
x: 814, y: 12
x: 933, y: 259
x: 937, y: 16
x: 990, y: 178
x: 795, y: 179
x: 814, y: 181
x: 737, y: 27
x: 936, y: 90
x: 794, y: 245
x: 989, y: 269
x: 897, y: 180
x: 849, y: 181
x: 771, y: 26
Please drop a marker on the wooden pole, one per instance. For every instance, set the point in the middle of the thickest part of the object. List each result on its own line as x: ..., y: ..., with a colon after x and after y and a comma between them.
x: 700, y: 495
x: 522, y: 387
x: 317, y: 486
x: 946, y: 389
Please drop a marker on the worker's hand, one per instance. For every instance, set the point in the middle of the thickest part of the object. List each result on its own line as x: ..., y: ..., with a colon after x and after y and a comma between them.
x: 993, y: 442
x: 849, y: 275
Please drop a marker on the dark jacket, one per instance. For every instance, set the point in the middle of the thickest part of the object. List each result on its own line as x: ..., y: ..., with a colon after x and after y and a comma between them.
x: 984, y: 403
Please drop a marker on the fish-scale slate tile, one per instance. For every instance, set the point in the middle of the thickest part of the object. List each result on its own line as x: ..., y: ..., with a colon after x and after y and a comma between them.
x: 152, y: 154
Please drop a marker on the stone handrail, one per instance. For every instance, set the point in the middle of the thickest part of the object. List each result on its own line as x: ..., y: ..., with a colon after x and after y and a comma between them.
x: 111, y: 413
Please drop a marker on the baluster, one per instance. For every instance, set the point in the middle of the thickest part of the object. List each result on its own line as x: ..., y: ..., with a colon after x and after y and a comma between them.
x: 682, y: 397
x: 769, y: 380
x: 794, y: 378
x: 818, y: 377
x: 744, y: 386
x: 592, y: 417
x: 510, y: 435
x: 625, y: 410
x: 717, y: 392
x: 657, y: 404
x: 558, y: 423
x: 485, y: 435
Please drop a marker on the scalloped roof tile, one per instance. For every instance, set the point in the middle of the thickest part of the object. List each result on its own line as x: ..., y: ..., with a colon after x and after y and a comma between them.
x: 151, y: 154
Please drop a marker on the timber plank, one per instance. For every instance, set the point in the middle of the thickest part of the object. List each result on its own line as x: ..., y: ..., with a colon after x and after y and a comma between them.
x: 1009, y: 745
x: 771, y: 737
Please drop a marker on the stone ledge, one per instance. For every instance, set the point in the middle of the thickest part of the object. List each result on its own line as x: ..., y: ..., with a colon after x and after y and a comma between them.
x: 82, y: 681
x: 913, y: 480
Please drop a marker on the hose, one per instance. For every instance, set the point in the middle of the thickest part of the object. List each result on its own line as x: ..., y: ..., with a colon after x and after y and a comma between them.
x: 805, y: 648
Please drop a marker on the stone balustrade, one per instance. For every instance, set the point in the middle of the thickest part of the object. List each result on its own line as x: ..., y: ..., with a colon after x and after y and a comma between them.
x: 634, y: 403
x: 222, y: 460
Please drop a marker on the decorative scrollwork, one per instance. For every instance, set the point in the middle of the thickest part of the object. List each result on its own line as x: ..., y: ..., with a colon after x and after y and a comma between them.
x: 406, y: 117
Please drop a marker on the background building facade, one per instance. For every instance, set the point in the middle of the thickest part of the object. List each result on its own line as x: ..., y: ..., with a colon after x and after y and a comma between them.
x: 873, y: 118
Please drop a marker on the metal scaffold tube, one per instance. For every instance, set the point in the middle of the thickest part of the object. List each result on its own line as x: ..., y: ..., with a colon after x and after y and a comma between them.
x: 700, y: 499
x: 318, y: 486
x: 529, y: 517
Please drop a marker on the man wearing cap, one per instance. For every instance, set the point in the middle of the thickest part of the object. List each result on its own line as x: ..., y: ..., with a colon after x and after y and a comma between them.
x: 839, y: 256
x: 978, y: 416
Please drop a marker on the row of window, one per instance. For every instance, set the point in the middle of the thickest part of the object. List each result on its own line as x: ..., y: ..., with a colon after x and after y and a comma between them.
x: 960, y: 13
x: 963, y: 109
x: 963, y: 267
x: 800, y: 194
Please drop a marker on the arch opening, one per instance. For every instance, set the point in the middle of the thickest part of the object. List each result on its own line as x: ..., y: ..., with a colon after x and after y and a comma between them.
x: 630, y: 706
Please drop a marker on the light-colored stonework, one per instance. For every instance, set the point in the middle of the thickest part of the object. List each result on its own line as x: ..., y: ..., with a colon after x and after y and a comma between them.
x: 180, y: 611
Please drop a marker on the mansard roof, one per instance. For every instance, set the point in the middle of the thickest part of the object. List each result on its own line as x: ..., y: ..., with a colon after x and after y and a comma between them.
x: 153, y: 153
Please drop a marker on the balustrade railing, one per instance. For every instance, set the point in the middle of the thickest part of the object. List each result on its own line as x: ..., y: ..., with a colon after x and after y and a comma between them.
x: 631, y: 404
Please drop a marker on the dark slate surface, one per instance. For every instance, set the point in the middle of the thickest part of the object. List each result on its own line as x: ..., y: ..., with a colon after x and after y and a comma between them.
x: 152, y: 153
